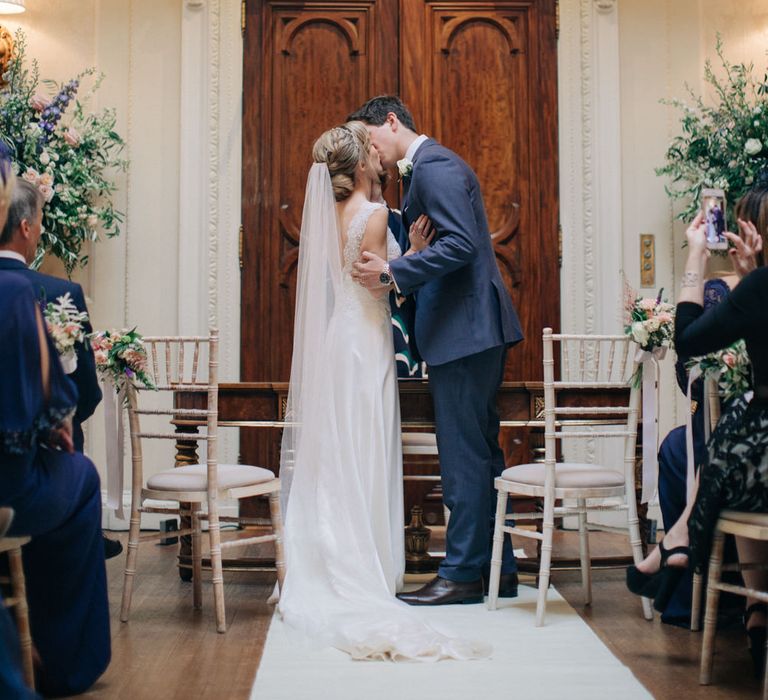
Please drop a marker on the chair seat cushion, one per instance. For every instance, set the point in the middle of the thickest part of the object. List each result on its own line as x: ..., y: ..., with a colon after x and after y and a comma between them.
x: 567, y: 475
x: 746, y: 518
x: 195, y: 477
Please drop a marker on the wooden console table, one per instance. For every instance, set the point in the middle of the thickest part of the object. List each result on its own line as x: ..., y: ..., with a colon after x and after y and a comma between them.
x: 258, y: 408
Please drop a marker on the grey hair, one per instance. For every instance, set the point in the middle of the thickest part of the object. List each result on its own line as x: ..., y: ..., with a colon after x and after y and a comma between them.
x: 25, y: 201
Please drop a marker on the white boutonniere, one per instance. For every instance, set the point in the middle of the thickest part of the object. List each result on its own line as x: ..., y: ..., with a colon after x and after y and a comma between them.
x: 405, y: 167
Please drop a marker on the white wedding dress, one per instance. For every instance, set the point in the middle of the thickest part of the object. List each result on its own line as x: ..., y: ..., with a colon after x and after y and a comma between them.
x: 342, y: 461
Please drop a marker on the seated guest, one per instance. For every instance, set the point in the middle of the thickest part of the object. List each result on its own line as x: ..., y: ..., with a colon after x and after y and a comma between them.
x: 673, y: 458
x: 734, y: 473
x: 55, y: 493
x: 18, y: 245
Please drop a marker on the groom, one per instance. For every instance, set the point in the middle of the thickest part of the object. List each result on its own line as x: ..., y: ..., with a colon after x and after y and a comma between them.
x: 464, y: 324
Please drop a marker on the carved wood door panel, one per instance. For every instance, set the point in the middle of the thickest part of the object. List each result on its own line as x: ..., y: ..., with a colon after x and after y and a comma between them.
x: 479, y: 76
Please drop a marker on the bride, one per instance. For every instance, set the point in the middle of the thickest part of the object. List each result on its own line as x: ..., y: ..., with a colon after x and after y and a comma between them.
x: 341, y: 462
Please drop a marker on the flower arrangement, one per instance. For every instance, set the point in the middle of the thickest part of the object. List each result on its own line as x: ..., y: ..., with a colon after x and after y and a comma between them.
x: 66, y: 325
x: 650, y: 322
x: 730, y: 368
x: 70, y: 154
x: 723, y: 145
x: 121, y: 357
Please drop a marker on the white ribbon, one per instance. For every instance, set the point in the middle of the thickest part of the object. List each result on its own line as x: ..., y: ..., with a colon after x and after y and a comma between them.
x: 113, y: 423
x: 649, y: 365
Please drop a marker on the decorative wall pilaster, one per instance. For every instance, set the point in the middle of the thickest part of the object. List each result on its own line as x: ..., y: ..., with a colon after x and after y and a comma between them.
x: 590, y: 165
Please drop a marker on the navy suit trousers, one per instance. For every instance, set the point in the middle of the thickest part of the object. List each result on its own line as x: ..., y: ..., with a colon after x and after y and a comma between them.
x: 464, y: 397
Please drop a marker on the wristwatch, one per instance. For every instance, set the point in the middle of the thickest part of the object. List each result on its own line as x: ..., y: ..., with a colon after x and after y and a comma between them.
x: 386, y: 276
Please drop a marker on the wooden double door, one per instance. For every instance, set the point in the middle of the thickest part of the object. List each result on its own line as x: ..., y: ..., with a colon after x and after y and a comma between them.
x: 480, y: 77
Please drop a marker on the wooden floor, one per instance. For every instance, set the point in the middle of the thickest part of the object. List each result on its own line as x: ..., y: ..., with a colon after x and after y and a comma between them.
x: 168, y: 650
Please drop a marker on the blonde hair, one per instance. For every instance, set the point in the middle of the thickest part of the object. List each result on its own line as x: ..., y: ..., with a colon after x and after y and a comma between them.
x: 7, y: 185
x: 341, y: 149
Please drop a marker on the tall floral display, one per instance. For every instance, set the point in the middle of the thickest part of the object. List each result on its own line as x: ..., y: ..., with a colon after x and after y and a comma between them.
x: 69, y: 153
x: 724, y: 142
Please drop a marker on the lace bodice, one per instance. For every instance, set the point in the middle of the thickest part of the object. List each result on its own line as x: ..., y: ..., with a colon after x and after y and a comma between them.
x: 355, y: 234
x: 356, y: 295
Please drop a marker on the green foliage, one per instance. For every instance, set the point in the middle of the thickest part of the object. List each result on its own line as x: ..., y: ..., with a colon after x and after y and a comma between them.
x: 723, y: 145
x: 68, y: 152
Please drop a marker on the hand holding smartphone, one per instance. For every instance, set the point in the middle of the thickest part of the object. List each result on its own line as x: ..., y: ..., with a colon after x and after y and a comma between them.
x: 713, y: 211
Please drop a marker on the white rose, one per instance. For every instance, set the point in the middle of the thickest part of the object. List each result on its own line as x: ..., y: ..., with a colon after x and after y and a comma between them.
x: 405, y: 167
x: 653, y: 324
x: 639, y: 333
x: 93, y: 221
x: 45, y: 158
x: 752, y: 147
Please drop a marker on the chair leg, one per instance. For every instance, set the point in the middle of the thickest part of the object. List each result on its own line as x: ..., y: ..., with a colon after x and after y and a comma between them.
x: 636, y: 544
x: 548, y: 528
x: 498, y: 546
x: 276, y: 517
x: 134, y: 533
x: 22, y: 614
x: 214, y: 534
x: 197, y: 559
x: 710, y: 612
x: 586, y: 571
x: 696, y: 602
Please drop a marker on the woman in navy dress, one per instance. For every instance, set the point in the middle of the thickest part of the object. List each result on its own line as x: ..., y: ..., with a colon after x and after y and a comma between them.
x: 56, y: 495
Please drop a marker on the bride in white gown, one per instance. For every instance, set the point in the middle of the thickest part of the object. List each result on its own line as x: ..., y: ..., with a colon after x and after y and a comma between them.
x: 341, y: 462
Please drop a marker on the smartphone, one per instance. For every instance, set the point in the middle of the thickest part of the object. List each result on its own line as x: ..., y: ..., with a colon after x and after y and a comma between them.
x: 713, y: 210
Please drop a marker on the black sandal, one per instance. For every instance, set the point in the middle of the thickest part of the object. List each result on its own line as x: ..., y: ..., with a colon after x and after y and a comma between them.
x: 669, y: 576
x: 757, y: 638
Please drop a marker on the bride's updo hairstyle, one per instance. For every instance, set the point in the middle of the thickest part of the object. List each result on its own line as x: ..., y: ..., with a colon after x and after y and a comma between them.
x: 341, y: 149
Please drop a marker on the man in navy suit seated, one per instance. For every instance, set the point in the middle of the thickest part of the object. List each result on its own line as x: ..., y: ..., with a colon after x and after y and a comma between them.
x: 18, y: 244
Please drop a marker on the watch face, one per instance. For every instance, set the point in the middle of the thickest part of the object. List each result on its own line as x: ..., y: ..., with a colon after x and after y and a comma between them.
x: 384, y: 278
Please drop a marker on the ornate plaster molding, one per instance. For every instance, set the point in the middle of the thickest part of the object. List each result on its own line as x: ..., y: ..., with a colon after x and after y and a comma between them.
x: 605, y: 5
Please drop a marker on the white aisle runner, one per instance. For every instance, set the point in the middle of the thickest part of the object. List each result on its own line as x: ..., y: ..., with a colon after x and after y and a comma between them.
x: 563, y: 659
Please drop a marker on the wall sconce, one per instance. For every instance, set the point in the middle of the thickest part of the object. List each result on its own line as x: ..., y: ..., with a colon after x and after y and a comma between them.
x: 7, y: 7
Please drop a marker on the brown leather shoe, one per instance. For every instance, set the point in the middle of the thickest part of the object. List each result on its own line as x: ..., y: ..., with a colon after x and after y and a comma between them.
x: 507, y: 586
x: 441, y: 591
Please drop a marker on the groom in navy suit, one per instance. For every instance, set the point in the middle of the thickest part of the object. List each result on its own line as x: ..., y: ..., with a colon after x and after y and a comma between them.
x: 464, y: 323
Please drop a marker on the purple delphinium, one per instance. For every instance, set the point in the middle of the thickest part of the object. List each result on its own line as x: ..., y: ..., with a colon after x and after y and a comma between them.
x: 53, y: 112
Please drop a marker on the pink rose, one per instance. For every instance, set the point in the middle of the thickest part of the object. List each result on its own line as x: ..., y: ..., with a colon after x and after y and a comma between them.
x: 38, y: 102
x: 72, y: 137
x: 100, y: 356
x: 729, y: 359
x: 46, y: 191
x: 647, y: 304
x: 665, y: 317
x: 45, y: 179
x: 31, y: 175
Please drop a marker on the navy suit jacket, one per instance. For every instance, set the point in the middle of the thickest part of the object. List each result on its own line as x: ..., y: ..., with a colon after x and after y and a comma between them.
x: 49, y: 288
x: 462, y: 305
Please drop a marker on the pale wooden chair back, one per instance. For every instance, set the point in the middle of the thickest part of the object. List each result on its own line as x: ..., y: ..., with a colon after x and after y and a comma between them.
x: 589, y: 363
x: 178, y: 364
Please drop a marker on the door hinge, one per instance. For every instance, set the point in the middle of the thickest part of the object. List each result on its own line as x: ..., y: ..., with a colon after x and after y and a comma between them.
x: 240, y: 246
x: 242, y: 16
x: 559, y: 245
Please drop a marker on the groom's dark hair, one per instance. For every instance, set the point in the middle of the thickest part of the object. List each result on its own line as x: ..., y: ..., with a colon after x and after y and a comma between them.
x: 374, y: 112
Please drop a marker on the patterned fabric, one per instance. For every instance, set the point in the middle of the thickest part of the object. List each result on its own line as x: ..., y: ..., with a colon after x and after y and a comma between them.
x: 735, y: 474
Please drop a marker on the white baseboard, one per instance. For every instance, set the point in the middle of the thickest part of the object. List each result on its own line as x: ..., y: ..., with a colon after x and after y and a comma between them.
x: 149, y: 521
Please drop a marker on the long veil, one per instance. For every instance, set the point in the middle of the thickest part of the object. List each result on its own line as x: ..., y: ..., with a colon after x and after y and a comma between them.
x: 317, y: 288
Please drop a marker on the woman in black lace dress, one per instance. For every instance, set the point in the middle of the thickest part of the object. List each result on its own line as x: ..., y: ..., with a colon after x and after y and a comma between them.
x: 735, y: 472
